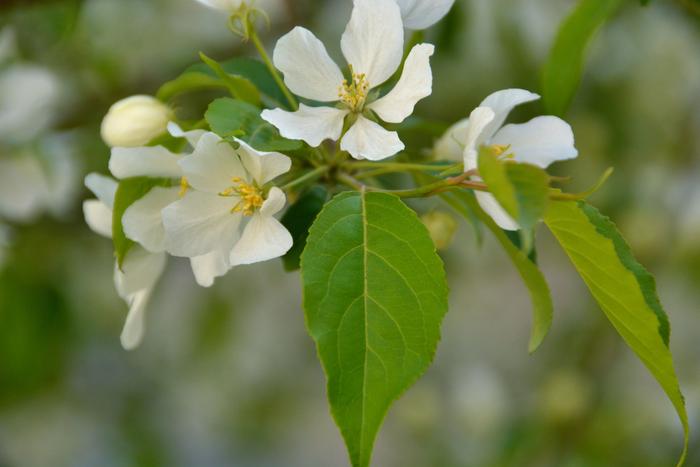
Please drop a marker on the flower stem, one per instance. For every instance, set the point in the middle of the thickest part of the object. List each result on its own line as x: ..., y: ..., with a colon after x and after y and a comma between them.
x: 460, y: 181
x: 310, y: 176
x: 273, y: 71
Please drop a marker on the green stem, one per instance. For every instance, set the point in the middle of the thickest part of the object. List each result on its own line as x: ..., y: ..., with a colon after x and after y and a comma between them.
x: 419, y: 192
x: 400, y: 166
x: 273, y: 71
x: 310, y: 176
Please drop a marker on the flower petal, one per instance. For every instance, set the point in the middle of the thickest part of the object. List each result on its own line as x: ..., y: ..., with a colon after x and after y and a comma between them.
x: 274, y: 203
x: 373, y: 39
x: 491, y: 206
x: 147, y: 161
x: 421, y: 14
x: 143, y: 221
x: 200, y: 223
x: 140, y: 270
x: 310, y: 124
x: 135, y: 324
x: 263, y: 238
x: 416, y: 82
x: 540, y: 141
x: 103, y: 187
x: 222, y: 5
x: 308, y: 69
x: 212, y: 165
x: 208, y: 267
x: 451, y: 144
x: 368, y: 140
x: 98, y: 216
x: 502, y: 102
x: 263, y: 166
x: 479, y: 120
x: 191, y: 136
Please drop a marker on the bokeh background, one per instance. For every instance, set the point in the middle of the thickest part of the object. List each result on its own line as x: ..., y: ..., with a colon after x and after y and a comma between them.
x: 227, y: 376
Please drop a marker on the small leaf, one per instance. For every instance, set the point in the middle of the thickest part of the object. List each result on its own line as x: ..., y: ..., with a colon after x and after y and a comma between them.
x: 189, y: 81
x: 542, y: 308
x: 227, y: 116
x: 298, y: 219
x: 562, y: 72
x: 128, y: 192
x: 625, y: 291
x: 239, y: 87
x: 374, y: 297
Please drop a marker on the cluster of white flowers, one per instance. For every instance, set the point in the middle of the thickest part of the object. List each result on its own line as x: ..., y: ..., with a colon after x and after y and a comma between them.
x: 217, y: 204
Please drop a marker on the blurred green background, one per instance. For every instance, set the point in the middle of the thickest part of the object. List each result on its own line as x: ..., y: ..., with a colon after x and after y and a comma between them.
x: 227, y: 376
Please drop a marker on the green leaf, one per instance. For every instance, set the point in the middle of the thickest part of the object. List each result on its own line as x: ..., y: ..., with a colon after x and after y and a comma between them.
x: 562, y: 72
x: 227, y: 117
x: 622, y: 287
x: 374, y: 297
x: 189, y: 81
x: 298, y: 220
x: 521, y: 189
x: 128, y: 192
x: 535, y: 282
x: 239, y: 87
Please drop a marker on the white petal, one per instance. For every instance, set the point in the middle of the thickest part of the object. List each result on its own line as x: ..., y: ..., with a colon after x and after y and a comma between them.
x: 24, y: 188
x: 191, y: 136
x: 373, y: 39
x: 103, y: 187
x: 421, y: 14
x: 263, y: 238
x: 451, y: 144
x: 310, y: 124
x: 368, y: 140
x: 147, y: 161
x: 263, y: 166
x: 489, y: 204
x: 140, y: 270
x: 208, y: 267
x: 135, y: 324
x: 308, y: 69
x: 540, y: 141
x: 98, y: 217
x: 416, y: 82
x: 143, y: 221
x: 212, y: 165
x: 479, y: 120
x: 201, y: 223
x: 274, y: 203
x: 502, y: 102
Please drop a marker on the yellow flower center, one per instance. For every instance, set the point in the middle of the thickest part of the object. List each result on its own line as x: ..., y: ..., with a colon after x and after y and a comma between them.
x: 354, y: 93
x: 183, y: 187
x: 251, y: 197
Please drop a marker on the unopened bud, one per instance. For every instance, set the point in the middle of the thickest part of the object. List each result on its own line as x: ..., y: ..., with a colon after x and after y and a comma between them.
x: 135, y: 121
x: 441, y: 226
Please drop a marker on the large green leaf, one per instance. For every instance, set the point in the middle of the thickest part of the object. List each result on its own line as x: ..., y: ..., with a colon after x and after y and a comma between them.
x: 622, y: 287
x: 374, y: 297
x: 562, y: 72
x: 465, y: 203
x: 298, y: 219
x: 228, y: 117
x: 128, y: 192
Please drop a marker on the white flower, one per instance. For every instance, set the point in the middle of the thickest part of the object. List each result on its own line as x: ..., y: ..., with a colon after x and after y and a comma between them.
x: 140, y: 270
x: 143, y: 221
x: 223, y: 5
x: 541, y: 141
x: 135, y: 121
x: 373, y: 47
x: 226, y: 189
x: 421, y: 14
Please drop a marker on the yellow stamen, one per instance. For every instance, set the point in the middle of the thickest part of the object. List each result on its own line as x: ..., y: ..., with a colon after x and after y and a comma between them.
x: 183, y: 187
x: 251, y: 197
x: 354, y: 94
x: 500, y: 149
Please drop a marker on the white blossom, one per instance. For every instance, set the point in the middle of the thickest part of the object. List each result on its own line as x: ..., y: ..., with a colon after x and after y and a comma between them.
x: 421, y: 14
x: 135, y: 121
x: 140, y: 270
x: 226, y: 187
x: 373, y: 47
x: 541, y: 141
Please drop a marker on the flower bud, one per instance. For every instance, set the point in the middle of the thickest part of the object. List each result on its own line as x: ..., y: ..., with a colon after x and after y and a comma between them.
x: 441, y: 227
x: 135, y: 121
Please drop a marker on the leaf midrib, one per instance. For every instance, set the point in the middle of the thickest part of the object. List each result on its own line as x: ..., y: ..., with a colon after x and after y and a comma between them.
x: 365, y: 296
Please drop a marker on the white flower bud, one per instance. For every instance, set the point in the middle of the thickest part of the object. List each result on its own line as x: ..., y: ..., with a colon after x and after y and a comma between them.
x: 135, y: 121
